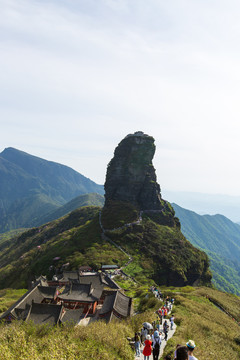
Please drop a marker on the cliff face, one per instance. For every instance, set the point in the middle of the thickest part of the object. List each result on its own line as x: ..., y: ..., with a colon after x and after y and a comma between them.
x: 130, y: 174
x: 137, y: 218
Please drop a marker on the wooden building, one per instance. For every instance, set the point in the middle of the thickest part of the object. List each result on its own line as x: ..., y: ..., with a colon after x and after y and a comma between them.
x: 73, y: 297
x: 116, y: 306
x: 43, y: 313
x: 83, y: 296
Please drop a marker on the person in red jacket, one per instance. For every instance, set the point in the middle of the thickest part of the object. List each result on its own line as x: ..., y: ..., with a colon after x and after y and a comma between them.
x: 147, y: 348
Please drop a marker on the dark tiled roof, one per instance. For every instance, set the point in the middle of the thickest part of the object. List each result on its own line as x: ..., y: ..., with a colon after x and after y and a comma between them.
x: 108, y: 304
x: 69, y: 275
x: 45, y: 314
x: 114, y: 304
x: 35, y: 296
x: 111, y: 283
x: 22, y: 314
x: 23, y: 302
x: 106, y: 317
x: 122, y: 304
x: 81, y: 293
x: 72, y: 316
x: 111, y: 316
x: 48, y: 292
x: 96, y: 280
x: 114, y: 317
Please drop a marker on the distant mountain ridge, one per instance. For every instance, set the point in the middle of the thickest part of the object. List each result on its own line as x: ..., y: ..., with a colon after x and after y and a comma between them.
x: 92, y: 199
x: 202, y: 203
x: 31, y: 187
x: 219, y: 237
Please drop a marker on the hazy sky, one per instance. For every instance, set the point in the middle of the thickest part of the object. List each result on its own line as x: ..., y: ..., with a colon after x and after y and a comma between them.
x: 76, y: 76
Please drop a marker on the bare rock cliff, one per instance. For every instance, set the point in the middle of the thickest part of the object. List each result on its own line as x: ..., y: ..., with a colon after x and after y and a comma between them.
x: 131, y: 176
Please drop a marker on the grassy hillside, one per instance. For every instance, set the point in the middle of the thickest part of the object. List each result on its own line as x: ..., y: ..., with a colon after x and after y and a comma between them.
x: 9, y: 297
x: 92, y: 199
x: 32, y: 187
x: 220, y: 239
x: 9, y: 235
x: 159, y: 249
x: 215, y: 333
x: 25, y: 212
x: 75, y: 238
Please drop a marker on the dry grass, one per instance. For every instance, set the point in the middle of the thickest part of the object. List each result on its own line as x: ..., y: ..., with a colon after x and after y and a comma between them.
x: 21, y: 341
x: 215, y: 333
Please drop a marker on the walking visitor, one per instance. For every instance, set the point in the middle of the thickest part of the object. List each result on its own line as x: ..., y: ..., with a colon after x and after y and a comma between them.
x: 147, y: 348
x: 175, y: 352
x: 156, y: 344
x: 172, y: 321
x: 137, y: 343
x: 165, y: 329
x: 182, y: 353
x: 191, y: 346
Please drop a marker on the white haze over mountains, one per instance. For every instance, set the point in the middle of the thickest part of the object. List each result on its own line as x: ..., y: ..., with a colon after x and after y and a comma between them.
x: 202, y: 204
x: 77, y: 76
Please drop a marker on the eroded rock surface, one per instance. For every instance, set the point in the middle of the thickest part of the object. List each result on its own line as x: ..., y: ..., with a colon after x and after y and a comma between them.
x: 131, y: 176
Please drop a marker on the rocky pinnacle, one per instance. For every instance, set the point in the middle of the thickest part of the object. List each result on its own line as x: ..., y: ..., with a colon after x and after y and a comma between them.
x: 131, y: 176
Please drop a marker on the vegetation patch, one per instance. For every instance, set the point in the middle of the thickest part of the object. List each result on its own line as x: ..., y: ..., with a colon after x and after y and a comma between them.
x: 213, y: 331
x: 74, y: 239
x: 118, y: 213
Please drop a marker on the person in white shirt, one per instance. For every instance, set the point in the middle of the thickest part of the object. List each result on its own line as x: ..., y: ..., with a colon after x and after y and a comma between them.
x: 144, y: 333
x: 191, y: 346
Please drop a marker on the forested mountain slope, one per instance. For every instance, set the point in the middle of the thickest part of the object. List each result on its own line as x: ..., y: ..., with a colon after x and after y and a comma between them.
x: 219, y: 237
x: 31, y: 187
x: 91, y: 199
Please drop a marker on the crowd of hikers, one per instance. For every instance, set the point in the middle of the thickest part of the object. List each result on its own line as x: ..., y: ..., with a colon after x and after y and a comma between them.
x: 151, y: 337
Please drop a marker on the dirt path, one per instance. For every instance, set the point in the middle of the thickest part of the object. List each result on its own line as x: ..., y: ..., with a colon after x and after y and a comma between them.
x: 163, y: 344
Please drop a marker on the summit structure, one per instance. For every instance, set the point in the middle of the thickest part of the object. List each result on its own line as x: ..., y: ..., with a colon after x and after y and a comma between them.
x: 131, y: 176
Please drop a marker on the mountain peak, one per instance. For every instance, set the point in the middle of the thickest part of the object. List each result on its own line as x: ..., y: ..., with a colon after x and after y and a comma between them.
x: 131, y: 176
x: 8, y: 149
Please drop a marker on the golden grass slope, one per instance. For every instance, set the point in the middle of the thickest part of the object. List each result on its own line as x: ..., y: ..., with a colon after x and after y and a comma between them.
x: 217, y: 335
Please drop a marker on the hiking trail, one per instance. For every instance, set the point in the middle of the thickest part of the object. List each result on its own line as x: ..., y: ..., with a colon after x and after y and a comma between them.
x: 163, y: 343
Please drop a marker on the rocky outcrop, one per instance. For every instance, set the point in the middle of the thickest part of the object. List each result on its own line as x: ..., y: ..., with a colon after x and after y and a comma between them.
x: 137, y: 219
x: 131, y: 176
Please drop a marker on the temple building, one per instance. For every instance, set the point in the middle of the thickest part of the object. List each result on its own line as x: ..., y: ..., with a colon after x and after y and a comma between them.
x: 70, y: 298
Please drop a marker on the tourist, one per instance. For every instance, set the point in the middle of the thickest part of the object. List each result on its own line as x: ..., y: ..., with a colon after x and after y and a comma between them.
x: 156, y: 338
x: 147, y: 350
x: 175, y: 352
x: 162, y: 312
x: 144, y: 333
x: 172, y: 321
x: 137, y: 343
x: 159, y: 311
x: 165, y: 329
x: 191, y: 346
x: 182, y: 353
